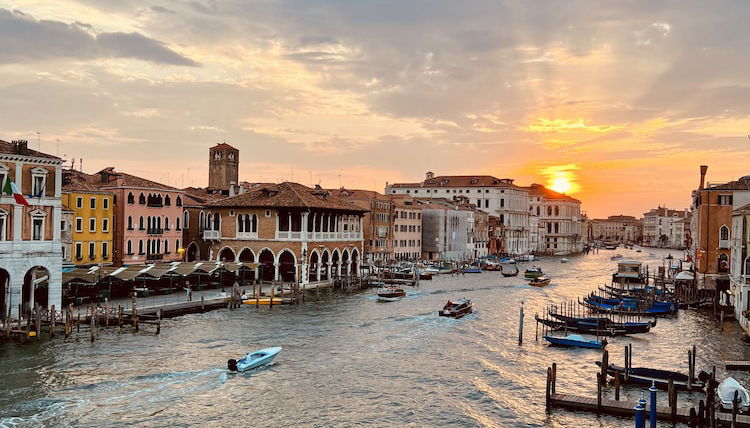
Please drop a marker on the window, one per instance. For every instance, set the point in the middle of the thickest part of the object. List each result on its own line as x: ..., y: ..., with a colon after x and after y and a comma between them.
x: 166, y: 246
x: 3, y: 222
x: 130, y: 222
x: 3, y: 175
x: 105, y: 203
x: 37, y: 226
x: 724, y: 233
x: 140, y: 223
x: 38, y: 181
x: 130, y: 248
x: 79, y: 202
x: 142, y: 199
x: 167, y: 201
x: 105, y: 225
x: 92, y: 225
x: 502, y: 203
x: 105, y: 250
x: 725, y: 199
x: 557, y: 210
x: 92, y: 203
x: 268, y: 213
x: 186, y: 220
x: 179, y: 201
x: 486, y: 203
x: 177, y: 221
x: 140, y: 246
x: 92, y: 250
x: 131, y: 198
x: 79, y: 251
x: 177, y: 244
x: 79, y: 224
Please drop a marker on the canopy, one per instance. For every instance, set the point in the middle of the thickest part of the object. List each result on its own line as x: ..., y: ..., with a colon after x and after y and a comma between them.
x: 684, y: 276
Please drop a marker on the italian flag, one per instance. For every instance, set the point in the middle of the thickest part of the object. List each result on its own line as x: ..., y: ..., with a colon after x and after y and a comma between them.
x: 10, y: 188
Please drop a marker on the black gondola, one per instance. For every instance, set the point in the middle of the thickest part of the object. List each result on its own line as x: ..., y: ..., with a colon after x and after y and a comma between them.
x: 644, y: 376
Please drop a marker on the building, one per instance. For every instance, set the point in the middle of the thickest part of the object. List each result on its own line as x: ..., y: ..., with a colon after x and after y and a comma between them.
x: 498, y: 197
x: 223, y: 167
x: 445, y: 227
x: 407, y: 228
x: 377, y: 223
x: 663, y: 227
x: 739, y: 272
x: 495, y: 237
x: 294, y: 233
x: 91, y: 219
x: 30, y: 245
x: 147, y: 218
x: 710, y: 228
x: 616, y: 228
x: 555, y: 221
x: 66, y: 236
x: 479, y: 234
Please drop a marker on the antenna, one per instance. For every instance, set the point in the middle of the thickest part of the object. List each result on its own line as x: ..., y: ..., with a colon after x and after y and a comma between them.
x: 38, y: 141
x: 80, y: 164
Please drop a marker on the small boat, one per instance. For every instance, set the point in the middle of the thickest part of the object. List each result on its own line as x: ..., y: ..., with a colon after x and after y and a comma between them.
x: 492, y: 267
x: 638, y: 251
x: 540, y: 281
x: 576, y: 341
x: 564, y: 260
x: 726, y: 390
x: 533, y: 272
x: 509, y: 274
x: 390, y: 292
x: 253, y: 360
x: 644, y: 376
x: 652, y: 254
x: 616, y: 257
x: 456, y: 309
x: 473, y: 269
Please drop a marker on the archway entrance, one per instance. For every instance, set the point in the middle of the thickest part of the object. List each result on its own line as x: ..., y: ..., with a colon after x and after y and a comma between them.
x: 355, y: 261
x: 345, y: 264
x: 247, y: 256
x: 35, y: 289
x: 226, y: 255
x: 266, y: 260
x: 314, y: 262
x: 324, y: 267
x: 192, y: 252
x: 335, y: 264
x: 287, y: 267
x: 4, y: 287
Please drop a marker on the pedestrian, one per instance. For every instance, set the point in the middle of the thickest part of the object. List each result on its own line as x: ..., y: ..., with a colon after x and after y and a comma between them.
x: 190, y: 295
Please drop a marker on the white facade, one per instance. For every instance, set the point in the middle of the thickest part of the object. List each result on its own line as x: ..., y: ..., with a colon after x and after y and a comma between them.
x: 739, y: 272
x: 663, y: 227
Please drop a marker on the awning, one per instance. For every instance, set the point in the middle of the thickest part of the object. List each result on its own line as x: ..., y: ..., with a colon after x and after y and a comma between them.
x: 237, y: 266
x: 129, y: 273
x: 684, y: 276
x: 79, y: 275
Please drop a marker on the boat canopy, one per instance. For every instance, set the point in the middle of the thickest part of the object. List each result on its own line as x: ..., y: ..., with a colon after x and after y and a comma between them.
x: 684, y: 276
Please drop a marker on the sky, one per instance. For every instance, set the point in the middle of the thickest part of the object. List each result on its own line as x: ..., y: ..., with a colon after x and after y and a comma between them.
x: 618, y: 103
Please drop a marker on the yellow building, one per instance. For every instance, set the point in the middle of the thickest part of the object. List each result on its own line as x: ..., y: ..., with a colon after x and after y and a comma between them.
x: 92, y: 223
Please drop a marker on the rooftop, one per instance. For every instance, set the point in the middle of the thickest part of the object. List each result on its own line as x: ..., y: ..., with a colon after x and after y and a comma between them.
x: 282, y: 195
x: 79, y: 181
x: 111, y: 178
x: 741, y: 184
x: 666, y: 212
x: 10, y: 149
x: 540, y: 190
x: 223, y: 146
x: 460, y: 181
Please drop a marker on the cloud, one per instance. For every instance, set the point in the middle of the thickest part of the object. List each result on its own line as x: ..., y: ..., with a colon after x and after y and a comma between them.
x: 25, y: 39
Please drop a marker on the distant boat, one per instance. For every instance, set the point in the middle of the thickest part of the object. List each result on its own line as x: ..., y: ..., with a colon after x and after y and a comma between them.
x: 390, y: 292
x: 616, y: 256
x: 726, y: 390
x: 456, y: 309
x: 473, y: 269
x: 644, y: 376
x: 509, y: 274
x: 540, y: 281
x: 533, y: 272
x: 254, y: 360
x: 575, y: 341
x: 564, y: 260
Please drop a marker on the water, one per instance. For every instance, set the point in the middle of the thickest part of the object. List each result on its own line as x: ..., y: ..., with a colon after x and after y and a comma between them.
x: 351, y: 361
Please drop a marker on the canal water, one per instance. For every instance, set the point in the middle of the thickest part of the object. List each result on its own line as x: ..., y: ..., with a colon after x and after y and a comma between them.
x: 352, y: 361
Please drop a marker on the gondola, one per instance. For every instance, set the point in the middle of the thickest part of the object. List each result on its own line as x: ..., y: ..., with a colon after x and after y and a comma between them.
x: 593, y: 324
x: 644, y: 376
x: 622, y: 308
x: 578, y: 328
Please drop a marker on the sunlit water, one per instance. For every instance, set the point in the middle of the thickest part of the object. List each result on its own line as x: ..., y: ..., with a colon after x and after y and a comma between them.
x: 350, y: 361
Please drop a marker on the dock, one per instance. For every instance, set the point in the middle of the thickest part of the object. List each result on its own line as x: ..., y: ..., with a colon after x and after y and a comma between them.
x: 737, y: 365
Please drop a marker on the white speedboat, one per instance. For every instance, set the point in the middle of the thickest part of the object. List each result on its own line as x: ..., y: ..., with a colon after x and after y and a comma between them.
x: 253, y: 360
x: 390, y: 293
x: 726, y: 390
x: 564, y: 260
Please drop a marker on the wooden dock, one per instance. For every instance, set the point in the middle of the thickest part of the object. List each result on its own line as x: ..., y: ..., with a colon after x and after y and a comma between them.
x: 737, y: 365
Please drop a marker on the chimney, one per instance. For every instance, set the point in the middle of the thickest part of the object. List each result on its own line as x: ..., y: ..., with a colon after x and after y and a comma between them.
x: 429, y: 175
x: 704, y: 168
x: 20, y: 147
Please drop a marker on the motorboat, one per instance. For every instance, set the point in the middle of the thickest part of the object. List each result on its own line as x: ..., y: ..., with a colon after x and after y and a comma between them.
x: 456, y: 309
x: 390, y: 292
x: 514, y: 272
x: 253, y: 360
x: 616, y: 257
x: 564, y: 260
x: 533, y: 272
x: 726, y: 391
x: 540, y: 281
x: 575, y: 341
x: 473, y: 269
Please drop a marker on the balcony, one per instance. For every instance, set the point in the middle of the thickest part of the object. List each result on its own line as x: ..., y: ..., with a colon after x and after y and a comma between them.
x: 318, y: 236
x: 155, y: 231
x: 154, y: 256
x: 211, y: 234
x: 155, y: 204
x: 724, y: 244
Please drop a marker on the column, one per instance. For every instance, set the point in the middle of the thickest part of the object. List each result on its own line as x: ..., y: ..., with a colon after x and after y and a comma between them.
x: 54, y: 290
x: 303, y: 217
x: 56, y: 214
x: 58, y: 182
x: 276, y: 271
x: 14, y: 291
x: 328, y: 270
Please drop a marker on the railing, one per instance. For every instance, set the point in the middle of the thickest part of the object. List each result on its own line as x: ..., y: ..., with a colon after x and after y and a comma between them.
x: 316, y: 236
x: 211, y: 234
x: 154, y: 256
x: 155, y: 231
x: 247, y: 235
x: 155, y: 204
x: 724, y: 244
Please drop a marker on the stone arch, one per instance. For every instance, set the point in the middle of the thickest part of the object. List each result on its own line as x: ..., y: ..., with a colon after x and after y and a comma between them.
x: 325, y: 258
x: 193, y: 252
x: 246, y: 255
x: 266, y: 260
x: 227, y: 255
x: 335, y: 259
x: 345, y: 262
x: 723, y: 263
x: 355, y: 262
x: 287, y: 265
x: 313, y: 266
x: 35, y: 288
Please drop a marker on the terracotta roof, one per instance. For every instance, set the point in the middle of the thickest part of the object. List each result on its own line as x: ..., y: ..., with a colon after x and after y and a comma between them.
x: 200, y: 196
x: 288, y: 195
x: 741, y: 184
x: 129, y: 180
x: 79, y: 181
x: 540, y: 190
x: 742, y: 209
x: 461, y: 181
x: 7, y: 148
x: 665, y: 212
x: 357, y: 194
x: 223, y: 146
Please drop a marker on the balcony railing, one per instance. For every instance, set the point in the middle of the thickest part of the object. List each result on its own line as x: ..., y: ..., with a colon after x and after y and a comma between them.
x: 155, y: 204
x: 155, y: 231
x: 211, y: 234
x: 318, y: 236
x: 724, y: 244
x: 154, y: 256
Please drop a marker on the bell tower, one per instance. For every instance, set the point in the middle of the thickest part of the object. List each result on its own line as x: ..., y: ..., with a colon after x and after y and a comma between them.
x: 223, y: 166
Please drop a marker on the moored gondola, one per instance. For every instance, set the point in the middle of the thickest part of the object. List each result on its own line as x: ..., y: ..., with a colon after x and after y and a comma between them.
x: 661, y: 378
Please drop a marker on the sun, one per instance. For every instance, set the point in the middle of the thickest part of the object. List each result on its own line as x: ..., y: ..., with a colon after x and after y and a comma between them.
x: 561, y: 185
